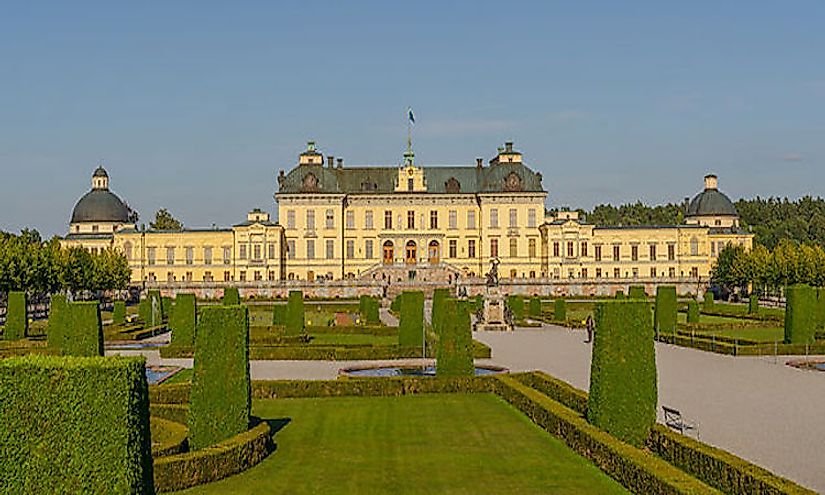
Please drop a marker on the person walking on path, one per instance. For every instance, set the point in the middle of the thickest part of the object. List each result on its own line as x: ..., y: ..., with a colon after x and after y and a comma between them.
x: 590, y: 324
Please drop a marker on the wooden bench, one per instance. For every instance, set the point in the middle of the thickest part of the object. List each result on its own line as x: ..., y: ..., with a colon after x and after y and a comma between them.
x: 674, y: 420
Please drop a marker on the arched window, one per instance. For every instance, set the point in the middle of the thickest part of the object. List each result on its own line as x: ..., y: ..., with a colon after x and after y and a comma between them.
x: 433, y: 252
x: 694, y: 246
x: 411, y: 255
x: 388, y: 253
x: 127, y: 250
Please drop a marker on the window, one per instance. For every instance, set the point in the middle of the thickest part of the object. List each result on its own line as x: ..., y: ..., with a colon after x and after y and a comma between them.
x: 513, y: 247
x: 368, y: 219
x: 598, y: 273
x: 556, y: 249
x: 227, y: 255
x: 569, y: 249
x: 127, y: 250
x: 272, y: 250
x: 531, y: 248
x: 694, y: 246
x: 513, y: 217
x: 170, y: 277
x: 190, y: 255
x: 170, y: 256
x: 433, y: 219
x: 256, y: 252
x: 242, y: 251
x: 671, y: 272
x: 494, y: 218
x: 410, y: 184
x: 207, y: 276
x: 330, y: 249
x: 150, y: 255
x: 388, y: 219
x: 226, y: 276
x: 453, y: 219
x: 471, y: 219
x: 453, y: 248
x: 635, y: 272
x: 330, y: 219
x: 634, y: 253
x: 471, y: 248
x: 694, y: 272
x: 368, y: 249
x: 671, y: 252
x: 270, y: 275
x: 207, y: 255
x: 583, y: 249
x: 597, y: 253
x: 494, y: 248
x: 616, y: 252
x: 350, y: 219
x: 652, y: 272
x: 290, y: 249
x: 616, y: 273
x: 350, y: 249
x: 95, y: 228
x: 410, y: 219
x: 653, y: 252
x: 310, y: 249
x: 584, y: 272
x: 531, y: 217
x: 242, y: 275
x: 290, y: 219
x: 310, y: 219
x: 152, y: 277
x: 188, y: 276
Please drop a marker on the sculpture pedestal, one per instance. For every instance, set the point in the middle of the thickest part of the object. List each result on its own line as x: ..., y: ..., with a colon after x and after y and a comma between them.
x: 492, y: 314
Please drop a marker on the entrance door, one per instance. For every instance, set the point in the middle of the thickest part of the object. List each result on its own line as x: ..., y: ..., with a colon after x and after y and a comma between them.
x: 433, y: 253
x: 388, y: 253
x: 411, y: 257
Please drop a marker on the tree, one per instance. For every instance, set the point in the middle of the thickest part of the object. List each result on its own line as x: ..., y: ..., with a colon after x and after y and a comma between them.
x: 111, y: 270
x: 165, y: 221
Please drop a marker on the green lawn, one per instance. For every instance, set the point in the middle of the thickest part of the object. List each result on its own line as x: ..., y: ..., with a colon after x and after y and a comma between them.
x: 720, y: 320
x: 456, y: 443
x: 351, y: 339
x: 758, y: 334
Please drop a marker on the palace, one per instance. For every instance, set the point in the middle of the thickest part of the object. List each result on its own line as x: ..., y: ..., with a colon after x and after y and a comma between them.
x: 413, y: 224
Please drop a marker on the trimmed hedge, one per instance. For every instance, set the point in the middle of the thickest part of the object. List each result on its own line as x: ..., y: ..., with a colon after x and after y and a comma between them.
x: 455, y: 342
x: 174, y: 430
x: 119, y: 313
x: 636, y: 292
x: 623, y: 391
x: 620, y: 294
x: 17, y: 321
x: 220, y: 403
x: 439, y: 296
x: 173, y: 412
x: 411, y: 323
x: 295, y: 313
x: 516, y: 305
x: 355, y: 329
x: 820, y: 308
x: 166, y: 307
x: 534, y: 309
x: 707, y: 304
x: 664, y: 312
x: 800, y: 314
x: 693, y: 311
x: 231, y: 296
x: 82, y: 330
x: 57, y: 323
x: 74, y: 425
x: 395, y: 305
x: 183, y: 320
x: 560, y: 310
x: 753, y: 304
x: 368, y: 309
x: 279, y: 314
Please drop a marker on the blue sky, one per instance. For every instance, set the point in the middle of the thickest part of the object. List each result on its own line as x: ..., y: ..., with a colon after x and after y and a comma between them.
x: 196, y: 106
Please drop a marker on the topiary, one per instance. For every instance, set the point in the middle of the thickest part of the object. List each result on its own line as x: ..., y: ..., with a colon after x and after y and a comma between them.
x: 664, y: 312
x: 534, y: 310
x: 295, y: 314
x: 800, y: 314
x: 693, y: 311
x: 17, y: 320
x: 820, y: 308
x: 231, y: 296
x: 620, y: 294
x: 220, y: 400
x: 183, y: 320
x: 166, y: 307
x: 707, y: 302
x: 279, y: 314
x: 560, y: 310
x: 82, y: 329
x: 516, y: 305
x: 623, y: 395
x: 119, y: 313
x: 411, y: 324
x: 368, y: 309
x: 437, y: 316
x: 637, y: 292
x: 57, y: 323
x: 753, y: 304
x: 454, y: 356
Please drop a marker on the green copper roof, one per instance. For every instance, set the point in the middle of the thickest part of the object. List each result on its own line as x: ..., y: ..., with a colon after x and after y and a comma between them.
x: 711, y: 202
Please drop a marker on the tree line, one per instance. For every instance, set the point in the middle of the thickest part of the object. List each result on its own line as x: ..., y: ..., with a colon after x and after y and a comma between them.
x: 30, y: 264
x: 769, y: 270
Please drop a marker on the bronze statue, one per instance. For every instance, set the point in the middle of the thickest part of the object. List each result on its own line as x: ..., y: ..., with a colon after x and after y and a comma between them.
x: 492, y: 275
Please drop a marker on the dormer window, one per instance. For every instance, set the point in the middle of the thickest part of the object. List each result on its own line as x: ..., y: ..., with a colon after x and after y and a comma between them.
x: 410, y: 184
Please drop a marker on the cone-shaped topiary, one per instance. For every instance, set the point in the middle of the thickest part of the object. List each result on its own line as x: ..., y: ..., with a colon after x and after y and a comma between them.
x: 534, y: 310
x: 623, y: 393
x: 800, y: 314
x: 559, y: 310
x: 183, y: 320
x: 17, y: 321
x: 620, y: 294
x: 439, y: 296
x: 707, y: 302
x: 82, y: 330
x: 693, y: 311
x: 636, y: 292
x: 516, y: 305
x: 119, y: 313
x: 57, y: 323
x: 411, y: 324
x: 664, y: 313
x: 455, y: 341
x: 295, y: 314
x: 231, y: 296
x: 368, y: 308
x: 753, y: 304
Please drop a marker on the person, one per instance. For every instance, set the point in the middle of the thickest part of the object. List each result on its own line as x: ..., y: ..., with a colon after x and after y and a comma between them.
x: 590, y: 324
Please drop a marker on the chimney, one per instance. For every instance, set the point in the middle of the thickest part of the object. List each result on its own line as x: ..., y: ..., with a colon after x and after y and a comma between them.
x: 479, y: 162
x: 508, y: 146
x: 340, y: 163
x: 711, y: 182
x: 330, y: 161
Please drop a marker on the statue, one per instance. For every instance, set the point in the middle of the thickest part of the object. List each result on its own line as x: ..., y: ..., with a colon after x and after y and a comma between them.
x: 492, y: 275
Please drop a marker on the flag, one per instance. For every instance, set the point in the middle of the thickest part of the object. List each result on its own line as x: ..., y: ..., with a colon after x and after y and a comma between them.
x: 410, y: 115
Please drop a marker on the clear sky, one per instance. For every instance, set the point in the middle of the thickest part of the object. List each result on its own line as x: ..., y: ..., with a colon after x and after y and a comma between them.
x: 195, y: 106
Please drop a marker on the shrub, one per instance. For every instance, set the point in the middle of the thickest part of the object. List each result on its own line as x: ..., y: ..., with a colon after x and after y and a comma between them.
x: 820, y: 308
x: 439, y: 296
x: 57, y: 322
x: 636, y: 292
x: 707, y: 304
x: 664, y: 314
x: 295, y: 313
x: 623, y: 392
x: 560, y: 310
x: 753, y: 304
x: 620, y: 294
x: 368, y: 309
x: 183, y: 320
x: 82, y: 330
x: 395, y: 305
x: 219, y: 400
x: 534, y: 310
x: 693, y: 311
x: 516, y: 305
x: 151, y: 309
x: 231, y: 296
x: 17, y: 321
x: 279, y: 314
x: 411, y: 324
x: 800, y: 314
x: 455, y: 342
x: 166, y: 307
x: 119, y: 313
x: 74, y: 425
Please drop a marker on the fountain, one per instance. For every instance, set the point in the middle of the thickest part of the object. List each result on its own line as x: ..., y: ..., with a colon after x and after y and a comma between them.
x: 494, y: 314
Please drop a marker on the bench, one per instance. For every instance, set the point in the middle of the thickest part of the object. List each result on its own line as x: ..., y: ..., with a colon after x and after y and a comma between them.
x: 674, y: 420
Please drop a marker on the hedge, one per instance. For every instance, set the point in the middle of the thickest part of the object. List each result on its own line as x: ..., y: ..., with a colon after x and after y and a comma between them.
x: 173, y: 412
x: 623, y: 392
x: 753, y: 304
x: 439, y: 296
x: 620, y: 294
x: 820, y: 308
x: 693, y: 311
x: 17, y: 321
x: 516, y: 305
x: 119, y: 313
x: 166, y: 307
x: 534, y: 309
x: 295, y: 313
x: 279, y: 314
x: 395, y: 305
x: 636, y: 292
x: 352, y: 329
x: 454, y: 356
x: 57, y: 323
x: 175, y: 444
x: 800, y: 314
x: 82, y: 330
x: 150, y: 318
x: 219, y: 403
x: 231, y: 456
x: 74, y: 425
x: 411, y: 323
x: 368, y: 309
x: 183, y: 320
x: 231, y: 296
x: 560, y: 310
x: 707, y: 303
x: 664, y: 312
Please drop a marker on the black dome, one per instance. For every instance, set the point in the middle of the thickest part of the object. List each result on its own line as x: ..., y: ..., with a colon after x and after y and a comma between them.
x: 711, y: 202
x: 100, y: 205
x: 100, y: 172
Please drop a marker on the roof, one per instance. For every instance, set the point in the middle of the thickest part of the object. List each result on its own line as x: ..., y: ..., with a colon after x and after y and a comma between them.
x: 100, y: 172
x: 711, y: 202
x: 504, y: 177
x: 89, y: 237
x: 100, y: 205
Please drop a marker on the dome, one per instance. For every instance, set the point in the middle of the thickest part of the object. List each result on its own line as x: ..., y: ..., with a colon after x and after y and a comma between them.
x: 100, y: 205
x: 100, y: 172
x: 711, y: 202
